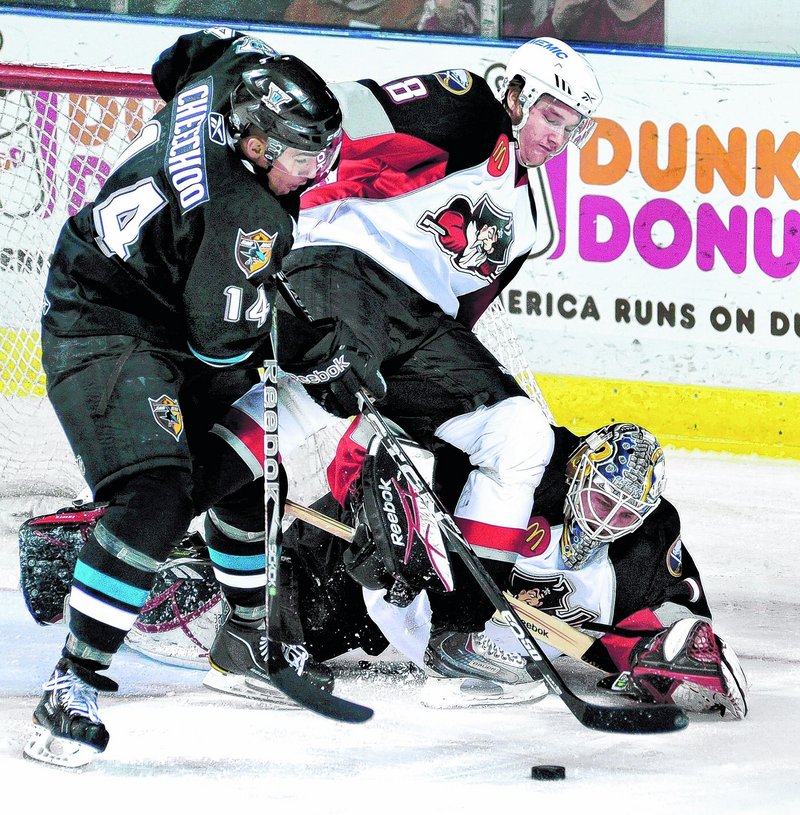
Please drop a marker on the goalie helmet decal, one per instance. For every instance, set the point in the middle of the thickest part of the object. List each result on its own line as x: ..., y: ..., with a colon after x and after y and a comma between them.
x: 616, y: 478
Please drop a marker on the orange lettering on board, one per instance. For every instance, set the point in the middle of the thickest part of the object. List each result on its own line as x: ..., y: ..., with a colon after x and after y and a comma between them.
x: 714, y: 158
x: 654, y: 176
x: 84, y: 133
x: 592, y: 172
x: 776, y: 164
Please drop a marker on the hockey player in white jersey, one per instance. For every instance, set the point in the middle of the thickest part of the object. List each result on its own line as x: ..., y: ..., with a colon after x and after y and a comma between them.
x: 429, y: 214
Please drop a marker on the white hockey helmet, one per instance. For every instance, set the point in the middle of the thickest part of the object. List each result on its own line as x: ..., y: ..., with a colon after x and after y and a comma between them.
x: 616, y: 478
x: 549, y: 66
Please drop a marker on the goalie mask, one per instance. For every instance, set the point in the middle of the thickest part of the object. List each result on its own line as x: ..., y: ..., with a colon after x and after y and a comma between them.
x: 547, y: 69
x: 616, y: 477
x: 292, y: 106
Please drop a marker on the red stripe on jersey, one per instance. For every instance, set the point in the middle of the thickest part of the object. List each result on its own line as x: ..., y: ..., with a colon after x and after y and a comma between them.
x: 488, y: 536
x: 380, y: 167
x: 248, y: 431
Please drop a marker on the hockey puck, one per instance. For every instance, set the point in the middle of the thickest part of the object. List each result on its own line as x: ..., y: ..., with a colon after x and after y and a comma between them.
x: 548, y: 772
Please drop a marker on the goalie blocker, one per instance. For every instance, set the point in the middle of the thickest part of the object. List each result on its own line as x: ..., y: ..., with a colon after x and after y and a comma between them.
x: 397, y: 546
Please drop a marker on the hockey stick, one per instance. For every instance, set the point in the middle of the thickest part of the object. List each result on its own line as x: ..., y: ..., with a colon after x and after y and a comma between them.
x: 281, y: 672
x: 649, y: 719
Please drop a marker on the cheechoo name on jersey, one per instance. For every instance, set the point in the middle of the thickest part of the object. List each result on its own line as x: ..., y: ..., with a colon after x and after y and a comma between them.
x: 185, y: 159
x: 575, y: 596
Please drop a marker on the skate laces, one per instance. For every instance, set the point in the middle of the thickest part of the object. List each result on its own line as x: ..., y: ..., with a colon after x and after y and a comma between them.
x: 296, y: 656
x: 491, y: 650
x: 74, y: 695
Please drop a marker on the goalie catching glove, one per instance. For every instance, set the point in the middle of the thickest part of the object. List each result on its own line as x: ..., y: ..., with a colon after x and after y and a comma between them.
x: 334, y: 369
x: 686, y: 664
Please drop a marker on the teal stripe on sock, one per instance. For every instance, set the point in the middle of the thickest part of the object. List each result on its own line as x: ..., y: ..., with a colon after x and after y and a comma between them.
x: 238, y: 563
x: 110, y: 586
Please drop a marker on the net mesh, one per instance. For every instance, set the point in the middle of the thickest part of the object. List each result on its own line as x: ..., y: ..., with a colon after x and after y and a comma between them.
x: 61, y: 131
x: 59, y: 138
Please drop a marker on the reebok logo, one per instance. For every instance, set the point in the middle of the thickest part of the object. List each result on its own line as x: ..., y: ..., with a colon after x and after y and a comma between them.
x: 395, y: 530
x: 335, y: 368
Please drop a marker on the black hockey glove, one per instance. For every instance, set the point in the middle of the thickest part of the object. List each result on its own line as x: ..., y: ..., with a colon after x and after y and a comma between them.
x: 335, y: 368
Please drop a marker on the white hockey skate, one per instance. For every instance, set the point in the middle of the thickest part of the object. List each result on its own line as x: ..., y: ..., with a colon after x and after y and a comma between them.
x: 469, y: 670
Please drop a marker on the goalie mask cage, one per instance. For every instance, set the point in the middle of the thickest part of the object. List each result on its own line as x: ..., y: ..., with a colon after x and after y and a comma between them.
x: 61, y: 130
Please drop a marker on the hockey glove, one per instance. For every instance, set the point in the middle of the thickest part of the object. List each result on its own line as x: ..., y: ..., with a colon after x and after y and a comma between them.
x: 689, y: 665
x: 335, y: 368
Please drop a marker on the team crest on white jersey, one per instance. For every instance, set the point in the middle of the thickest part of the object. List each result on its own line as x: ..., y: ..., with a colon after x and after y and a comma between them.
x: 457, y: 82
x: 550, y: 592
x: 254, y: 251
x: 477, y: 237
x: 167, y: 414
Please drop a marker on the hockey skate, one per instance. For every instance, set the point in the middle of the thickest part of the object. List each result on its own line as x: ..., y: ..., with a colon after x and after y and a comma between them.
x: 67, y: 727
x: 238, y: 664
x: 469, y: 670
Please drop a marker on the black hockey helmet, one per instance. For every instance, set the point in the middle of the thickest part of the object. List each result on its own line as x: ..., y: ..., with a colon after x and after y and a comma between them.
x: 292, y: 105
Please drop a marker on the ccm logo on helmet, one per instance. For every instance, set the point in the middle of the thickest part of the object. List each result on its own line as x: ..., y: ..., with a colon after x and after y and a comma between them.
x: 552, y: 48
x: 334, y: 370
x: 395, y: 530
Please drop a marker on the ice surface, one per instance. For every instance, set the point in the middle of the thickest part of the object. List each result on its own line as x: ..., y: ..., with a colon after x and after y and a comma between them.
x: 175, y: 744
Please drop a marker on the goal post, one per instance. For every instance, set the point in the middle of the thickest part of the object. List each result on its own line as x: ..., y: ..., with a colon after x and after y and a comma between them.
x: 61, y: 132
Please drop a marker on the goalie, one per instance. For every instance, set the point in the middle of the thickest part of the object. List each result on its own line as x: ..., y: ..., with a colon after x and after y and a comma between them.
x: 604, y: 552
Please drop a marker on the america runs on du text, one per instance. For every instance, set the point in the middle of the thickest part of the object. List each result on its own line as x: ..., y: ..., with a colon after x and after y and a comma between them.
x: 634, y: 311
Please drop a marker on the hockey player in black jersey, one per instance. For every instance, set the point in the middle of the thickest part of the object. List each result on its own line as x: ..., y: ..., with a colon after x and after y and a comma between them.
x: 157, y: 314
x: 429, y: 214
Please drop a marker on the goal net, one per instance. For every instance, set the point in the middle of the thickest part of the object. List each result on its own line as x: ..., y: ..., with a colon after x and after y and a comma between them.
x: 60, y: 133
x: 61, y: 130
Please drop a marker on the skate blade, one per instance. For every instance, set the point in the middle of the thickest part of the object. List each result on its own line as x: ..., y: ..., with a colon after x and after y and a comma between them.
x: 247, y: 688
x: 444, y: 694
x: 60, y: 752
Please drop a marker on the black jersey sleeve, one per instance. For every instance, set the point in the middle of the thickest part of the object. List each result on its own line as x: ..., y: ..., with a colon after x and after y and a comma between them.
x: 653, y: 568
x: 452, y: 110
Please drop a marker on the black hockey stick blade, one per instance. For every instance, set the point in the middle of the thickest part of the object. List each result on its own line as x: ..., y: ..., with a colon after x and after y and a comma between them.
x: 314, y: 698
x: 641, y: 719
